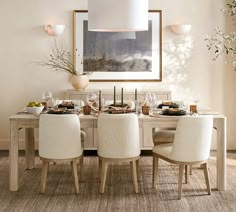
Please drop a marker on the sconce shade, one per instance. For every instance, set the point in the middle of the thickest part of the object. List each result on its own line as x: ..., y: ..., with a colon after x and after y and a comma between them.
x: 55, y: 29
x: 181, y: 28
x: 117, y: 15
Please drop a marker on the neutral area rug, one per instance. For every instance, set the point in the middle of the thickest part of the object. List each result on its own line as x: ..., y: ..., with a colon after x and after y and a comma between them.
x: 119, y: 194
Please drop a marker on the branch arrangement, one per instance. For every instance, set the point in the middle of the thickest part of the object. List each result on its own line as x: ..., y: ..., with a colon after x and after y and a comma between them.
x: 60, y: 60
x: 221, y: 43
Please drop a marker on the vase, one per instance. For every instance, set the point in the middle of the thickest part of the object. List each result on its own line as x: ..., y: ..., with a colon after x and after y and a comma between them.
x: 79, y: 82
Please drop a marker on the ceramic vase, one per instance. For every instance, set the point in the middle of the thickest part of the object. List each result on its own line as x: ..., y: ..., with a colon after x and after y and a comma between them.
x: 79, y: 82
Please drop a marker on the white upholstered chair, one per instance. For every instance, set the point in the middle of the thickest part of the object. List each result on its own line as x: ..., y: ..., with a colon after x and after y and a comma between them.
x: 59, y: 141
x: 163, y: 136
x: 191, y: 146
x: 118, y: 140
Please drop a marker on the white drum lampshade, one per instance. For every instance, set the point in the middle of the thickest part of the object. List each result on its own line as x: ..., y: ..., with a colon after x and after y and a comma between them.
x: 117, y: 15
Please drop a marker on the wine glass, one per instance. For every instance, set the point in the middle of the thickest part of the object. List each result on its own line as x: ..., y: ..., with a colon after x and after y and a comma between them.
x: 91, y: 98
x: 151, y: 100
x: 196, y: 98
x: 79, y: 104
x: 46, y: 96
x: 55, y: 102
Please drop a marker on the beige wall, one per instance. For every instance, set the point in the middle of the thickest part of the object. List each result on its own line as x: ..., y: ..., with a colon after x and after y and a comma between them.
x: 187, y: 66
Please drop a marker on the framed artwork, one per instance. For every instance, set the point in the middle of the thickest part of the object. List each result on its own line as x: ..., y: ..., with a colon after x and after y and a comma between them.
x: 119, y: 56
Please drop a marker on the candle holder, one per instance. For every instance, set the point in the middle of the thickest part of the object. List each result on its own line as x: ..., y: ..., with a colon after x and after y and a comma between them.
x: 86, y: 110
x: 193, y: 109
x: 145, y: 110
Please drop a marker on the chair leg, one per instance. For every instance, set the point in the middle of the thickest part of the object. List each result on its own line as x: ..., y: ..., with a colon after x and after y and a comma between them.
x: 138, y: 170
x: 186, y: 174
x: 81, y: 164
x: 181, y: 170
x: 191, y: 170
x: 99, y: 169
x: 134, y: 174
x: 75, y: 175
x: 103, y: 176
x: 44, y: 176
x: 154, y: 171
x: 206, y: 174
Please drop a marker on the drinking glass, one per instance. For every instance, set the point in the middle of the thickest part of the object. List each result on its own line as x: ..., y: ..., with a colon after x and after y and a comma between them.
x: 92, y: 98
x: 151, y: 100
x: 55, y: 102
x: 46, y: 96
x: 196, y: 98
x: 79, y: 104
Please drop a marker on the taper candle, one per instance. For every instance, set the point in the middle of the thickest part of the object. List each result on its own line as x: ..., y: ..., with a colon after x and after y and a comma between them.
x: 100, y: 100
x: 121, y: 97
x: 135, y: 95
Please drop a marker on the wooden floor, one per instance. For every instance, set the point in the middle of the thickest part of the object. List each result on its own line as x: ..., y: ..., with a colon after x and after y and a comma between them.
x: 119, y: 194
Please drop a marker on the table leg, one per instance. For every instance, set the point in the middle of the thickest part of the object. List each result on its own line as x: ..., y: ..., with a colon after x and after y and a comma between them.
x: 220, y: 125
x: 29, y: 148
x: 13, y: 156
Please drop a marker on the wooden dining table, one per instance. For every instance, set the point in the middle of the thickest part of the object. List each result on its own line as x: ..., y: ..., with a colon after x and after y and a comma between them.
x: 29, y: 122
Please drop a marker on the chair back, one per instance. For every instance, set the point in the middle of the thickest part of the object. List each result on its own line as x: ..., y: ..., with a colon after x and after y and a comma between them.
x: 192, y: 140
x: 118, y: 136
x: 59, y: 136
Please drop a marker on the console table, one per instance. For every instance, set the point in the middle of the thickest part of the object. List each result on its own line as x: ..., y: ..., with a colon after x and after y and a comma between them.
x: 146, y: 125
x: 109, y: 94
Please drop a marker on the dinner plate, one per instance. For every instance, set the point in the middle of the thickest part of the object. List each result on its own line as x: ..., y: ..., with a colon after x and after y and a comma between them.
x: 168, y: 112
x: 59, y: 112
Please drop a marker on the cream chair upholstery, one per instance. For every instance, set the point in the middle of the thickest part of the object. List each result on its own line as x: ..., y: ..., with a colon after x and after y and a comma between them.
x: 191, y: 146
x: 59, y: 140
x: 163, y: 136
x: 118, y: 140
x: 83, y: 137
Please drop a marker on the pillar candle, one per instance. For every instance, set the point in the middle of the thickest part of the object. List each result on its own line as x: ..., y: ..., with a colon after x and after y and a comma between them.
x: 100, y: 100
x: 135, y: 96
x: 114, y: 96
x: 121, y: 97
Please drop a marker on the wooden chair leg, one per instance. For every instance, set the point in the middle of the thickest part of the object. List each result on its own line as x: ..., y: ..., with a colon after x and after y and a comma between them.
x: 134, y: 175
x: 103, y: 176
x: 206, y: 174
x: 138, y: 170
x: 191, y: 170
x: 181, y: 170
x: 81, y: 164
x: 154, y: 171
x: 75, y: 175
x: 99, y: 169
x: 44, y: 176
x: 186, y: 174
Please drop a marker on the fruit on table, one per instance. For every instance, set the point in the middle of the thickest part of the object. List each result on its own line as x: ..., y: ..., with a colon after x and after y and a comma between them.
x: 34, y: 104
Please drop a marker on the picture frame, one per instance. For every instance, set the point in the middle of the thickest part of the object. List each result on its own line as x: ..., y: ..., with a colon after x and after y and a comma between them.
x: 118, y: 56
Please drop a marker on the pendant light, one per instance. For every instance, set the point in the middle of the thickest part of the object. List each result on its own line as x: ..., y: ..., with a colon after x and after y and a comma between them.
x: 117, y: 15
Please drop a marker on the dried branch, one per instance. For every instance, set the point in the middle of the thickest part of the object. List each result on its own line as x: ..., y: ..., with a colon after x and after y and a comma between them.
x: 221, y: 43
x: 60, y: 60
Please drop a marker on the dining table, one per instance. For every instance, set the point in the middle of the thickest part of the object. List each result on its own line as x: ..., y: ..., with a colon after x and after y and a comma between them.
x: 147, y: 123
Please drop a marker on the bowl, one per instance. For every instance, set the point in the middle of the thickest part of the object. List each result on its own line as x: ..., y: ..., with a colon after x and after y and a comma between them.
x: 34, y: 110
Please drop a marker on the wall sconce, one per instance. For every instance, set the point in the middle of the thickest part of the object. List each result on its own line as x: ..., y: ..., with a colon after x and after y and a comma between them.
x: 181, y: 28
x: 118, y: 15
x: 54, y: 29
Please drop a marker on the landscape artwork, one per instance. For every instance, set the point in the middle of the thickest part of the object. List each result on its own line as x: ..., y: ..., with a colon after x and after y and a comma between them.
x: 117, y: 51
x: 118, y: 56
